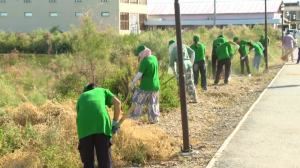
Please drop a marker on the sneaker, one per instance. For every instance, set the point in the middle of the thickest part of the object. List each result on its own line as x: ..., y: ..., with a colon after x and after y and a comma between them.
x: 229, y: 78
x: 204, y: 88
x: 249, y: 75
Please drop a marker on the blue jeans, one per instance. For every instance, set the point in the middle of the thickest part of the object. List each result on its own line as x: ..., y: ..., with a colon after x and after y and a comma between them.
x: 256, y: 61
x: 199, y: 67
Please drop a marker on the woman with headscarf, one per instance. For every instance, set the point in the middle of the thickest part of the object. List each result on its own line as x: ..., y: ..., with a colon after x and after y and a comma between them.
x: 148, y: 90
x: 199, y: 65
x: 188, y: 65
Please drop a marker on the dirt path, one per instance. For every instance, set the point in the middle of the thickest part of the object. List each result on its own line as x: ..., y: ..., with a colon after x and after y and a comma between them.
x: 213, y: 119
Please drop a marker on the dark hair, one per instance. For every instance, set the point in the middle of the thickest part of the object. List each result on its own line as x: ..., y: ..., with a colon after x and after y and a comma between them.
x: 91, y: 86
x: 250, y: 44
x: 196, y: 41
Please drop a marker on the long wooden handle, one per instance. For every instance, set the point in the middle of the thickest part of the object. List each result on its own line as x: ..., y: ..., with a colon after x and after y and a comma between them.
x: 133, y: 106
x: 168, y: 80
x: 127, y: 97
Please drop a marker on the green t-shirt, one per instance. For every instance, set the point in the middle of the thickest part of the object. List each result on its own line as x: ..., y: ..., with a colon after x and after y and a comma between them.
x: 186, y: 58
x: 215, y: 43
x: 92, y: 116
x: 263, y: 41
x: 258, y: 50
x: 244, y: 49
x: 224, y: 51
x: 150, y: 79
x: 199, y: 52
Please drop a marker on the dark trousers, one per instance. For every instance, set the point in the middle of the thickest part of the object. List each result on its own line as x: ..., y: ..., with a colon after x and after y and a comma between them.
x: 199, y: 67
x: 214, y: 61
x: 86, y: 149
x: 245, y: 61
x: 221, y: 63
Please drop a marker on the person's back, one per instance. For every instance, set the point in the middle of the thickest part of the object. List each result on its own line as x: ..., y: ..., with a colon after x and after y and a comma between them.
x: 258, y: 49
x: 92, y: 116
x: 150, y: 78
x: 224, y: 51
x: 288, y: 41
x: 186, y: 51
x: 244, y: 48
x: 215, y: 42
x: 199, y: 51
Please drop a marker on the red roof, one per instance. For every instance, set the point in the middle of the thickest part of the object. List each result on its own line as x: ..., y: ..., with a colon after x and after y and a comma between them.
x: 222, y: 8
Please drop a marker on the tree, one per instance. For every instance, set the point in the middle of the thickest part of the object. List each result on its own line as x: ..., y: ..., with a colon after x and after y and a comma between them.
x: 91, y: 46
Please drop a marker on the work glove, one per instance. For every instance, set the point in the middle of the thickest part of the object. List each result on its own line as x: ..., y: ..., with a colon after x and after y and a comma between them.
x: 115, y: 130
x: 242, y: 58
x: 237, y: 46
x: 253, y: 50
x: 132, y: 85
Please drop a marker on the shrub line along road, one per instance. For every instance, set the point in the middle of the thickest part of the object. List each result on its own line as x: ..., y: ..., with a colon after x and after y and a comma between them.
x: 269, y: 134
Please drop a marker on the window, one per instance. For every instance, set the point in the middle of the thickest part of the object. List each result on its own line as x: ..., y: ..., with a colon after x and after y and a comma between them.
x: 53, y: 14
x: 105, y: 14
x: 2, y: 0
x: 104, y: 0
x: 124, y: 19
x: 52, y: 0
x: 78, y: 0
x: 134, y: 1
x: 78, y: 14
x: 124, y: 1
x: 27, y: 0
x: 28, y: 14
x: 3, y: 14
x: 142, y: 19
x: 143, y: 2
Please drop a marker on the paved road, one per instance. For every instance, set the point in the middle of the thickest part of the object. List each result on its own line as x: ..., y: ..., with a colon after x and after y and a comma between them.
x: 270, y: 135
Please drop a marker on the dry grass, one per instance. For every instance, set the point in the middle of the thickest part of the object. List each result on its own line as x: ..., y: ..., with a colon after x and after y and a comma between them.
x: 141, y: 144
x: 20, y: 159
x: 51, y: 139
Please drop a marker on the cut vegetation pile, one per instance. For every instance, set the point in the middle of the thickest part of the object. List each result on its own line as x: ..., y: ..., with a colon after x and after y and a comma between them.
x: 46, y: 136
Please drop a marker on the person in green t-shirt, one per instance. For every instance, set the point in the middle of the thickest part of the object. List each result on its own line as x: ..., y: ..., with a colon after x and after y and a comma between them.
x: 224, y: 52
x: 258, y: 53
x: 94, y: 126
x: 262, y: 40
x: 244, y: 51
x: 148, y: 91
x: 199, y: 65
x: 188, y: 65
x: 214, y: 59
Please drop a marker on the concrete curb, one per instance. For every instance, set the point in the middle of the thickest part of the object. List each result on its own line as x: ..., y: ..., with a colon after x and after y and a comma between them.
x: 226, y: 142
